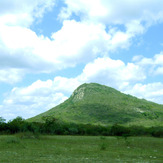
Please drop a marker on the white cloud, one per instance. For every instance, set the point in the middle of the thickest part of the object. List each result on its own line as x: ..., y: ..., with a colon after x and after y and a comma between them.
x: 151, y: 91
x: 120, y: 39
x: 32, y: 100
x: 37, y: 97
x: 24, y: 12
x: 136, y: 16
x: 158, y: 59
x: 76, y: 42
x: 159, y: 71
x: 21, y: 47
x: 114, y: 12
x: 11, y: 75
x: 153, y: 66
x: 66, y: 85
x: 16, y: 39
x: 113, y: 73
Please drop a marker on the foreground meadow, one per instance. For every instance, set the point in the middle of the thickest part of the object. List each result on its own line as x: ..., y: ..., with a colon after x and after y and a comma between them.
x: 76, y: 149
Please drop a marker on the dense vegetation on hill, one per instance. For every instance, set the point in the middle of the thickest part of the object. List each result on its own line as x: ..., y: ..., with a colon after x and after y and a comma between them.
x: 101, y: 105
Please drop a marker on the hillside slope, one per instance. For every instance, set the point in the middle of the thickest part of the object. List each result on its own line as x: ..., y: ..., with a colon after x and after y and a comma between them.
x: 98, y: 104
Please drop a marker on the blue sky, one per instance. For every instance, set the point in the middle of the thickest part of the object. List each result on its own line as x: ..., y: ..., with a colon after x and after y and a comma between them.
x: 49, y: 48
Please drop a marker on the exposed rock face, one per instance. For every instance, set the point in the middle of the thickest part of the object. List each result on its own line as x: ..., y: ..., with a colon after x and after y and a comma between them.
x: 139, y: 110
x: 78, y: 94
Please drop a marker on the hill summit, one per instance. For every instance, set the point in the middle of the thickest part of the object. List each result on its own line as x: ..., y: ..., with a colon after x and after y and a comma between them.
x: 98, y: 104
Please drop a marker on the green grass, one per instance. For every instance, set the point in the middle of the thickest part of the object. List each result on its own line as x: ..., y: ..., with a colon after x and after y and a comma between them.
x: 76, y: 149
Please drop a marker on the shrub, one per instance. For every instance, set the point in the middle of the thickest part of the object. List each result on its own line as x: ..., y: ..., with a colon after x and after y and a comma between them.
x: 117, y: 130
x: 156, y: 131
x: 28, y: 135
x: 12, y: 140
x: 103, y: 147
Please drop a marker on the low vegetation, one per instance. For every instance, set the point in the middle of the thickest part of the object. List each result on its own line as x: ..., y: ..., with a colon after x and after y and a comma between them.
x: 78, y: 149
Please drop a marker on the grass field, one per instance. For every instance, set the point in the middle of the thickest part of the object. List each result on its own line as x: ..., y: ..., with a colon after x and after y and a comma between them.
x: 76, y: 149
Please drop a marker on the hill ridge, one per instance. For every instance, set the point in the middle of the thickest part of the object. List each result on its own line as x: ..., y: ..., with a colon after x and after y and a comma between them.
x: 99, y: 104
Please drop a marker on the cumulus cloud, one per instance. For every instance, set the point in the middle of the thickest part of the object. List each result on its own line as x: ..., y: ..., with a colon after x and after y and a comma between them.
x: 153, y: 66
x: 23, y: 13
x: 114, y: 12
x: 66, y: 85
x: 114, y: 73
x: 11, y: 75
x: 150, y: 91
x: 32, y: 100
x: 22, y: 48
x: 76, y: 42
x: 37, y: 97
x: 135, y: 16
x: 16, y: 38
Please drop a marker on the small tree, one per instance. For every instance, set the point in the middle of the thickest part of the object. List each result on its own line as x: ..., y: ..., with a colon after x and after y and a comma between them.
x: 2, y: 120
x: 117, y: 130
x: 3, y: 126
x: 50, y: 124
x: 16, y: 124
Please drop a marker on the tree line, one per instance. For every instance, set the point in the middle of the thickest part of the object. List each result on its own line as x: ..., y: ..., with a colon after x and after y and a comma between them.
x: 51, y: 125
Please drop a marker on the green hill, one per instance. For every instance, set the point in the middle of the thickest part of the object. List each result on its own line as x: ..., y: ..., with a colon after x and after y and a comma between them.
x: 98, y: 104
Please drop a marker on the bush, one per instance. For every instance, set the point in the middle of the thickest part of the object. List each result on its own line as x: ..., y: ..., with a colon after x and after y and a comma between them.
x: 138, y: 131
x: 28, y: 135
x: 12, y: 140
x: 117, y: 130
x: 103, y: 147
x: 156, y: 131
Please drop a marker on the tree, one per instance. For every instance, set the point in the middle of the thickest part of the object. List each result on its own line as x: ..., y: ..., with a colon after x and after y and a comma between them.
x: 16, y: 124
x: 3, y: 126
x: 2, y: 120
